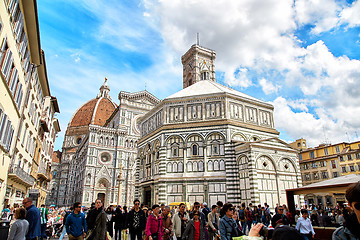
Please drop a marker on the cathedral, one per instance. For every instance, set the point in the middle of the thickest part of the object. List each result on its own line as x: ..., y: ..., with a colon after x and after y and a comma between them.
x: 205, y: 143
x: 99, y: 150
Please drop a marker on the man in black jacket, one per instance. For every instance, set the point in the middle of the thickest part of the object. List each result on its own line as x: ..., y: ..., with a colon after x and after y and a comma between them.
x: 136, y: 221
x: 279, y: 218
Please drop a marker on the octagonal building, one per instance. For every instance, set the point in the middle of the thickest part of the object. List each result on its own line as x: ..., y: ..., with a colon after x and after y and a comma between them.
x: 209, y: 142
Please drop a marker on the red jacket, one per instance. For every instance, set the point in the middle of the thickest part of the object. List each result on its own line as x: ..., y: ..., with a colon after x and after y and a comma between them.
x: 154, y: 225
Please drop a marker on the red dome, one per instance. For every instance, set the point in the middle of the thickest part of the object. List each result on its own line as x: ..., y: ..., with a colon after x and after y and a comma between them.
x: 96, y: 111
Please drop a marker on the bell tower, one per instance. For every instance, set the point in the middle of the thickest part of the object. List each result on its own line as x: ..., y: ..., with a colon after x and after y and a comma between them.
x: 198, y: 64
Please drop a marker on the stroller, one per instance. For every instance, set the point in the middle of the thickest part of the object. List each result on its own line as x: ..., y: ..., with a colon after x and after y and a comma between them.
x: 58, y: 227
x: 54, y: 230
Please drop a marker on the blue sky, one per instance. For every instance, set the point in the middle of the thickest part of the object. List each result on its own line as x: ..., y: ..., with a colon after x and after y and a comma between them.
x: 301, y: 56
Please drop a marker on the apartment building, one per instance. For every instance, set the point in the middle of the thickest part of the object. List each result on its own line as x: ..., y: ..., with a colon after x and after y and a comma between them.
x: 327, y: 161
x: 27, y: 107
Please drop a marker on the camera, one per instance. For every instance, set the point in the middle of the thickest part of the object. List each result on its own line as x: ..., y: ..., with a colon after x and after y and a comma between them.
x: 266, y: 232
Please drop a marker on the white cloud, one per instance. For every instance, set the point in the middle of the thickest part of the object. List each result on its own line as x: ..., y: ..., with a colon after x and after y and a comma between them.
x: 267, y: 86
x: 323, y: 14
x: 321, y: 129
x: 351, y: 14
x: 251, y: 38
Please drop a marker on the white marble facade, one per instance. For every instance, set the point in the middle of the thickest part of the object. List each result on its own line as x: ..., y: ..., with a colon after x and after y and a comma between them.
x: 209, y: 142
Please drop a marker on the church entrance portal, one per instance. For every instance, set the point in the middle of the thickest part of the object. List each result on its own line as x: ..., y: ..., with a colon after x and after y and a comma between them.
x: 147, y: 197
x: 102, y: 197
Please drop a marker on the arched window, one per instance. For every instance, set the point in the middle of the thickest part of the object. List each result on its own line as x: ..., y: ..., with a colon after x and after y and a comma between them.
x: 195, y: 149
x: 86, y: 197
x: 88, y: 179
x: 189, y: 166
x: 175, y: 150
x: 195, y: 166
x: 205, y: 76
x: 201, y: 166
x: 100, y: 140
x: 210, y: 166
x: 169, y: 167
x: 216, y: 166
x: 181, y: 167
x: 222, y: 165
x: 215, y: 148
x: 175, y: 167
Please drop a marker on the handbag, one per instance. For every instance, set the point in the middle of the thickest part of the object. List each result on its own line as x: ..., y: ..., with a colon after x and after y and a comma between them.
x: 155, y: 236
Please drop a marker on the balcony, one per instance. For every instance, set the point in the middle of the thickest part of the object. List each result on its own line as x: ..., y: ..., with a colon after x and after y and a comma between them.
x: 43, y: 173
x: 18, y: 175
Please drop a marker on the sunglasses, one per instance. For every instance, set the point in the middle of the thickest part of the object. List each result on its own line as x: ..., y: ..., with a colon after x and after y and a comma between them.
x: 281, y: 209
x: 357, y: 206
x: 196, y: 214
x: 78, y: 206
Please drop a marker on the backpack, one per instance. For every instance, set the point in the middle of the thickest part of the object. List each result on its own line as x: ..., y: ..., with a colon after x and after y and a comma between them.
x: 241, y: 214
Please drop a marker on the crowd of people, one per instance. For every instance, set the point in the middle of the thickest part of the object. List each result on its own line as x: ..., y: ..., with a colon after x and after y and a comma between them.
x: 160, y: 222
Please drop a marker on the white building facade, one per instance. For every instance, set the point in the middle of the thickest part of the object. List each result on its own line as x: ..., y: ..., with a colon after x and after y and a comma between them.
x: 209, y: 142
x: 100, y: 148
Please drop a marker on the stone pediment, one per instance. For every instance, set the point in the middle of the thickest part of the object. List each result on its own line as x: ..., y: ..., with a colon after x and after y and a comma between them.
x: 103, y: 173
x: 274, y: 142
x: 143, y: 97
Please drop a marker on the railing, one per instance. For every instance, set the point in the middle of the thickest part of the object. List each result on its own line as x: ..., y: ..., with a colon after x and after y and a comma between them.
x: 22, y: 175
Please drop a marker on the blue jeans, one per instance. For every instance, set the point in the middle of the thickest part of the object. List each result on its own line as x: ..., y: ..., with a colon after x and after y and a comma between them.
x: 63, y: 233
x: 243, y: 226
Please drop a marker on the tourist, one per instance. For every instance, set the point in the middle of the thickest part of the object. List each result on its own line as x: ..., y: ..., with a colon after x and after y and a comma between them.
x: 202, y: 215
x: 180, y: 219
x: 20, y: 227
x: 119, y: 219
x: 279, y: 218
x: 76, y: 224
x: 314, y: 217
x: 227, y: 226
x: 33, y: 217
x: 5, y: 213
x: 219, y: 207
x: 110, y: 214
x: 154, y: 230
x: 249, y: 218
x: 205, y: 210
x: 242, y: 217
x: 194, y: 229
x: 351, y: 228
x: 166, y: 223
x: 304, y: 226
x: 339, y: 218
x: 43, y: 220
x: 213, y: 223
x: 96, y: 222
x: 136, y: 221
x: 66, y: 214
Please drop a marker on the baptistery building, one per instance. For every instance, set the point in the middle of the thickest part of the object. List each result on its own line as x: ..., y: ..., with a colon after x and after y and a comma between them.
x: 209, y: 142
